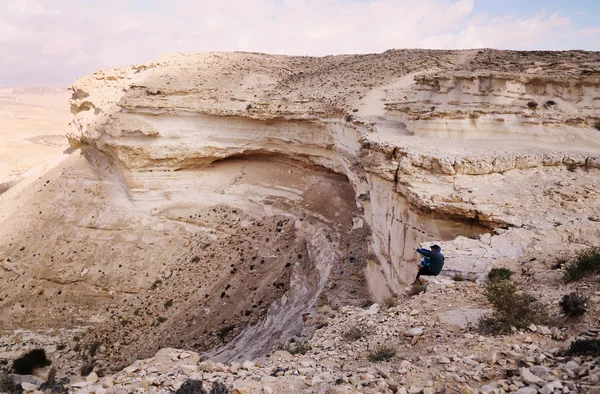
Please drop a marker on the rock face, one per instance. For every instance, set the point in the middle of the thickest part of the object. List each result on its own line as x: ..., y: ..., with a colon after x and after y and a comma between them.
x: 248, y: 188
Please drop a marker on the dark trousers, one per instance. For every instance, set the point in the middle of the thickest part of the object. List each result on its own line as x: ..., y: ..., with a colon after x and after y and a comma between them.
x: 425, y: 271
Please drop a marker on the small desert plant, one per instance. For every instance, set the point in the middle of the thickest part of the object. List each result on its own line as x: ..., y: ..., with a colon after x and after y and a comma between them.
x: 94, y: 348
x: 349, y: 118
x: 53, y: 385
x: 585, y: 347
x: 417, y: 288
x: 532, y: 104
x: 382, y: 353
x: 295, y: 347
x: 498, y: 274
x: 192, y: 386
x: 86, y: 368
x: 219, y: 388
x: 597, y: 126
x: 574, y: 304
x: 389, y: 301
x: 585, y: 263
x: 512, y: 307
x: 225, y: 331
x: 355, y: 333
x: 458, y: 278
x: 248, y: 107
x: 550, y: 103
x: 168, y: 303
x: 25, y: 364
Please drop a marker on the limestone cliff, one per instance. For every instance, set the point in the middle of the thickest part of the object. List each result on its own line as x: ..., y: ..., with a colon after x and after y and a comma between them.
x: 205, y: 166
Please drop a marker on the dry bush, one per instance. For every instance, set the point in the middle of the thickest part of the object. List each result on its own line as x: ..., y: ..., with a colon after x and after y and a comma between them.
x: 499, y: 274
x: 586, y: 262
x: 574, y: 304
x: 295, y: 347
x: 512, y: 308
x: 382, y: 353
x: 389, y: 301
x: 585, y: 347
x: 417, y: 288
x: 25, y: 364
x: 355, y: 333
x: 458, y: 278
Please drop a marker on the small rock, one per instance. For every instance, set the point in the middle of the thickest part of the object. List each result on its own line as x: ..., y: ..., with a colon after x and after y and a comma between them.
x: 92, y: 378
x: 29, y: 386
x: 415, y: 331
x: 526, y: 390
x: 530, y: 378
x: 248, y: 365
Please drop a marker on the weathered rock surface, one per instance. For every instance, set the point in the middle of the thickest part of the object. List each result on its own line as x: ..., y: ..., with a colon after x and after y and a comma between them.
x: 222, y: 201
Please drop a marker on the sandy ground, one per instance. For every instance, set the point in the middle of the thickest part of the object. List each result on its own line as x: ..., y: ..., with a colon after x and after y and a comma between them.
x: 32, y: 124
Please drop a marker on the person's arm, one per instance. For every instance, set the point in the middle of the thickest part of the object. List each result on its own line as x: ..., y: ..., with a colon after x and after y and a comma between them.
x: 425, y: 252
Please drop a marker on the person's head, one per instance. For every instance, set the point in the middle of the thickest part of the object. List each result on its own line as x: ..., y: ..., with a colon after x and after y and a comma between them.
x: 436, y: 248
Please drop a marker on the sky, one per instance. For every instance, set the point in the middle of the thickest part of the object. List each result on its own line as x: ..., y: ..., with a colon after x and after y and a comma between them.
x: 52, y: 42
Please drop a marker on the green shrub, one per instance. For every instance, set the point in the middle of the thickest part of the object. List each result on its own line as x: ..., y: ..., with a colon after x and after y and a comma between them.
x: 497, y: 274
x: 585, y: 263
x: 382, y: 353
x: 355, y: 333
x: 417, y: 288
x: 574, y: 304
x: 512, y: 307
x: 25, y: 364
x: 584, y: 347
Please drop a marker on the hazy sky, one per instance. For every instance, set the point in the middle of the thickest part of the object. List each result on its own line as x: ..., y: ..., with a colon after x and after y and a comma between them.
x: 52, y: 42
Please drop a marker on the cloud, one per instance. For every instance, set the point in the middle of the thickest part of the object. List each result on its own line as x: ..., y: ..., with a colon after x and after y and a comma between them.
x: 55, y: 41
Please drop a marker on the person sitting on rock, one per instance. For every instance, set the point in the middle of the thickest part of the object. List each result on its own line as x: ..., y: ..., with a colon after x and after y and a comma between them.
x: 432, y: 262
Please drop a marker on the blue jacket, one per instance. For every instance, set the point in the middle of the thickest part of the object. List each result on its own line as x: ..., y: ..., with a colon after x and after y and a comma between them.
x: 436, y: 260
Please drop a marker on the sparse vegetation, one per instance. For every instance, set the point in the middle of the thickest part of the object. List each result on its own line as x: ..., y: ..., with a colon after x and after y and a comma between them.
x: 355, y: 333
x: 389, y: 302
x: 349, y: 118
x: 25, y: 364
x: 248, y: 107
x: 295, y: 347
x: 192, y: 386
x: 585, y: 263
x: 574, y: 304
x: 532, y: 104
x: 585, y: 347
x: 86, y: 368
x: 382, y: 353
x: 53, y: 385
x: 168, y: 303
x: 597, y: 125
x: 512, y: 307
x: 93, y: 348
x: 225, y: 331
x: 550, y: 103
x: 499, y: 274
x: 417, y: 288
x: 458, y: 278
